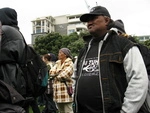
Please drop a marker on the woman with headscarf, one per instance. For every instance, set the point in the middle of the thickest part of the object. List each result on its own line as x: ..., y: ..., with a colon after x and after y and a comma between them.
x: 62, y: 73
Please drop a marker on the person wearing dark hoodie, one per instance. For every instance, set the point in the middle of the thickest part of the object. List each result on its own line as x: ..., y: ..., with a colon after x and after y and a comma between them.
x: 12, y: 52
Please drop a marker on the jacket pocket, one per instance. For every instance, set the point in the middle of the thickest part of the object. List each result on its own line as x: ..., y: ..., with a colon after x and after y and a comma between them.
x: 116, y: 58
x: 116, y: 65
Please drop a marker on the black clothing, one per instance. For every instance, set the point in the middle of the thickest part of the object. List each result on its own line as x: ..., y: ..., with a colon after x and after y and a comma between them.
x: 10, y: 108
x: 50, y: 106
x: 34, y: 106
x: 90, y: 73
x: 111, y: 89
x: 8, y: 16
x: 12, y: 49
x: 10, y: 100
x: 12, y: 52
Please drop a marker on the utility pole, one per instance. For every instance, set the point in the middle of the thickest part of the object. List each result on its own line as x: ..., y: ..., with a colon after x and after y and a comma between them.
x: 88, y: 7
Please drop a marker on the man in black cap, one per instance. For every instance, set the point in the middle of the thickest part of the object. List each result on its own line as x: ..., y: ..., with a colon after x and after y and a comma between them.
x: 112, y: 77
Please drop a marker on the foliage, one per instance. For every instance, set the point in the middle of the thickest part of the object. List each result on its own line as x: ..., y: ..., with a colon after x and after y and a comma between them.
x: 136, y: 39
x: 147, y: 43
x: 48, y: 43
x: 74, y: 43
x: 52, y: 42
x: 76, y: 46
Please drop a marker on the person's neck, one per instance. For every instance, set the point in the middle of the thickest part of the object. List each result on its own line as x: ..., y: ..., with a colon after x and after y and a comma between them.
x: 63, y: 60
x: 99, y: 35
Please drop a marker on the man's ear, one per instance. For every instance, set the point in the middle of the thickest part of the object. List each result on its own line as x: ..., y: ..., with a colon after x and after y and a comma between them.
x: 107, y: 20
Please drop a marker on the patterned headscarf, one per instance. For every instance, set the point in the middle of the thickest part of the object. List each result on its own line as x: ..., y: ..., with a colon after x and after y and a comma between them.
x: 67, y: 52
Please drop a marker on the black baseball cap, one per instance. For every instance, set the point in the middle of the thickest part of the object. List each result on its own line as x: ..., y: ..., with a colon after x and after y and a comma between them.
x: 95, y: 11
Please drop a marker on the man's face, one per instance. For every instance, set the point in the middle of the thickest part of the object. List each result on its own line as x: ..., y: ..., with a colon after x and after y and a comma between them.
x: 97, y: 25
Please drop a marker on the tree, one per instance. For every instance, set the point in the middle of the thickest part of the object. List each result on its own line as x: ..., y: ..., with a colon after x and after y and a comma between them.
x: 52, y: 42
x: 48, y: 43
x: 147, y: 43
x: 74, y: 42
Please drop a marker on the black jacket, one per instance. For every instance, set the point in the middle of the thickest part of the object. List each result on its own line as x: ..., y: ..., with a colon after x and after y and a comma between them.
x: 112, y: 54
x: 12, y: 50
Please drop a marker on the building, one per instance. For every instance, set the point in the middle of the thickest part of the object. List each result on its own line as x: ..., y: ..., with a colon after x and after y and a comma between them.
x: 64, y: 25
x: 41, y: 26
x: 143, y: 38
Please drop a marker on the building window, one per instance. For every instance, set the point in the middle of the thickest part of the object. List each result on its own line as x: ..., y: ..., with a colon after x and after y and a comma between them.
x: 77, y: 16
x: 42, y: 23
x: 42, y: 30
x: 71, y: 31
x: 38, y: 30
x: 71, y: 17
x: 79, y: 29
x: 147, y: 38
x: 38, y: 23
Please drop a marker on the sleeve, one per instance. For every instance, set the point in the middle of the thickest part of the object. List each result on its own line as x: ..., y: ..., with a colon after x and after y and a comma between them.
x: 66, y: 72
x: 13, y: 51
x: 53, y: 70
x: 137, y: 78
x: 20, y: 48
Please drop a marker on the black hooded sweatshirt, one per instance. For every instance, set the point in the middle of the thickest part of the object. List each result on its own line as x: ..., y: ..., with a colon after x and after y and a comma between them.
x: 12, y: 51
x: 8, y: 16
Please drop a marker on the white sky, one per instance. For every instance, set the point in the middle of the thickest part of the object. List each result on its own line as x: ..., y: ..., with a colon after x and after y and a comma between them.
x: 134, y: 13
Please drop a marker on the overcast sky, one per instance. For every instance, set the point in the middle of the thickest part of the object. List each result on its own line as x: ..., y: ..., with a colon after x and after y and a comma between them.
x: 134, y: 13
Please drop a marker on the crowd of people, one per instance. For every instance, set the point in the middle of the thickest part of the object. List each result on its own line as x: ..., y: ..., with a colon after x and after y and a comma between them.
x: 109, y: 73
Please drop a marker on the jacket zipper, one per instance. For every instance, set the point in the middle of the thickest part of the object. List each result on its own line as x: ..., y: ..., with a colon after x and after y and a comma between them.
x: 100, y: 80
x: 99, y: 50
x: 89, y: 46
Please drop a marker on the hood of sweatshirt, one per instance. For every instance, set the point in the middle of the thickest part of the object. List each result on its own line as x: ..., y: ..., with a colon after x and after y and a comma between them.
x: 8, y: 16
